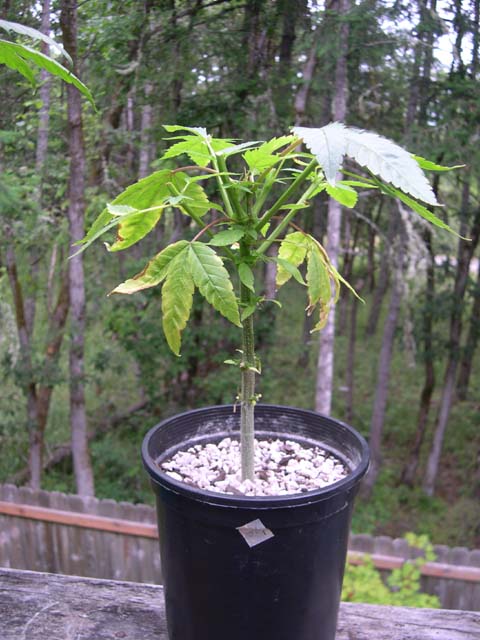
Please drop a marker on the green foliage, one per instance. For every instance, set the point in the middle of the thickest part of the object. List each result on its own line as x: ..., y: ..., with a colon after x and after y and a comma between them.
x: 364, y: 583
x: 247, y: 211
x: 17, y: 56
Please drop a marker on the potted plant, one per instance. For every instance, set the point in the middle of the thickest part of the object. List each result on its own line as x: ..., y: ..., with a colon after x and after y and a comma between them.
x: 235, y: 564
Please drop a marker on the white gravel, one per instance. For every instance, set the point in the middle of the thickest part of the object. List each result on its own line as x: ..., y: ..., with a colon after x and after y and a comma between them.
x: 281, y: 467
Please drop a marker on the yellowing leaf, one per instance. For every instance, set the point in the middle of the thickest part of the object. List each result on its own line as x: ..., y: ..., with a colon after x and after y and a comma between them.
x: 177, y: 298
x: 213, y: 281
x: 134, y: 227
x: 318, y: 279
x: 155, y: 271
x: 293, y: 250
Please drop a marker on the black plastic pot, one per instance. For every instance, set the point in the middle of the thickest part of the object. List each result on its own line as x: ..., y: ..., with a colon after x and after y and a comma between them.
x: 284, y: 587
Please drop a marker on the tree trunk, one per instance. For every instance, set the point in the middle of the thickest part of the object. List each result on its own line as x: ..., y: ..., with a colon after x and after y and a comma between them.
x: 40, y: 163
x: 410, y: 468
x: 28, y: 381
x: 471, y: 342
x: 350, y: 370
x: 76, y: 210
x: 146, y: 120
x: 385, y: 358
x: 465, y: 253
x: 325, y: 370
x: 383, y: 281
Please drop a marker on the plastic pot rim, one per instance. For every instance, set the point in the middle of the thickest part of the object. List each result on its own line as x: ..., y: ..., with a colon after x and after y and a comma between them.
x: 254, y: 502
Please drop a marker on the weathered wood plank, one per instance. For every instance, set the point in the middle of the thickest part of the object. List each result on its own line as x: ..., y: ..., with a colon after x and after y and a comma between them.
x: 35, y: 606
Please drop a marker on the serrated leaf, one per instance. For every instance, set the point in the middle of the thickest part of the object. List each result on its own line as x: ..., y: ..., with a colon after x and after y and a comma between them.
x: 155, y: 271
x: 194, y: 146
x: 213, y: 281
x: 381, y: 156
x: 264, y: 156
x: 318, y: 279
x: 14, y: 55
x: 226, y: 237
x: 292, y: 251
x: 421, y: 210
x: 390, y: 162
x: 177, y: 299
x: 328, y: 144
x: 134, y: 227
x: 35, y: 35
x: 428, y: 165
x: 246, y: 276
x: 343, y: 194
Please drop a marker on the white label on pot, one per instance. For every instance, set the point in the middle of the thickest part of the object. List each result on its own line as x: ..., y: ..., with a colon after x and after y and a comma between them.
x: 255, y: 532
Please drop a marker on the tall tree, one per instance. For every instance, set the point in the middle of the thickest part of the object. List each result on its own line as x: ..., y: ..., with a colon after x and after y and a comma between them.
x: 76, y: 211
x: 325, y: 366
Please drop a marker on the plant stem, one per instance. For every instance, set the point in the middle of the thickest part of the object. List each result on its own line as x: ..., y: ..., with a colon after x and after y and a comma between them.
x: 248, y: 399
x: 286, y: 194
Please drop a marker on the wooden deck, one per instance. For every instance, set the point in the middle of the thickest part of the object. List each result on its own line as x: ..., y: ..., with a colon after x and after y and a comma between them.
x: 40, y: 606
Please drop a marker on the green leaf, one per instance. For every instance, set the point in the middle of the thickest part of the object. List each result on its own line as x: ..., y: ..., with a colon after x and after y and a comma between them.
x: 194, y: 146
x: 318, y: 279
x: 11, y: 53
x: 237, y: 148
x: 418, y: 208
x: 248, y: 311
x: 11, y: 59
x: 286, y: 266
x: 264, y: 157
x: 146, y: 193
x: 227, y: 237
x: 134, y: 227
x: 172, y: 128
x: 213, y: 281
x: 155, y: 271
x: 23, y: 30
x: 428, y: 165
x: 177, y: 298
x: 343, y: 194
x: 246, y: 276
x: 195, y: 197
x: 292, y: 251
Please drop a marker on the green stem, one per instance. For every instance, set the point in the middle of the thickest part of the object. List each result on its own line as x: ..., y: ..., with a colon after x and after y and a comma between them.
x: 221, y: 185
x: 286, y: 195
x: 248, y: 399
x: 284, y: 223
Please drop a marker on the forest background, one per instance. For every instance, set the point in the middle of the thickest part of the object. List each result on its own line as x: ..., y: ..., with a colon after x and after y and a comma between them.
x: 88, y: 374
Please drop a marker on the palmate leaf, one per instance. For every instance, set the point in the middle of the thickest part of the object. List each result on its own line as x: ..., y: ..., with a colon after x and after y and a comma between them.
x: 155, y: 271
x: 213, y: 281
x: 292, y: 251
x: 16, y: 57
x: 177, y: 298
x: 382, y: 157
x: 328, y: 144
x: 196, y: 146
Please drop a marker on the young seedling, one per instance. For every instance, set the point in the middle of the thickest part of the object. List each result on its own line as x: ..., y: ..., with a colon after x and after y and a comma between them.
x: 255, y: 206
